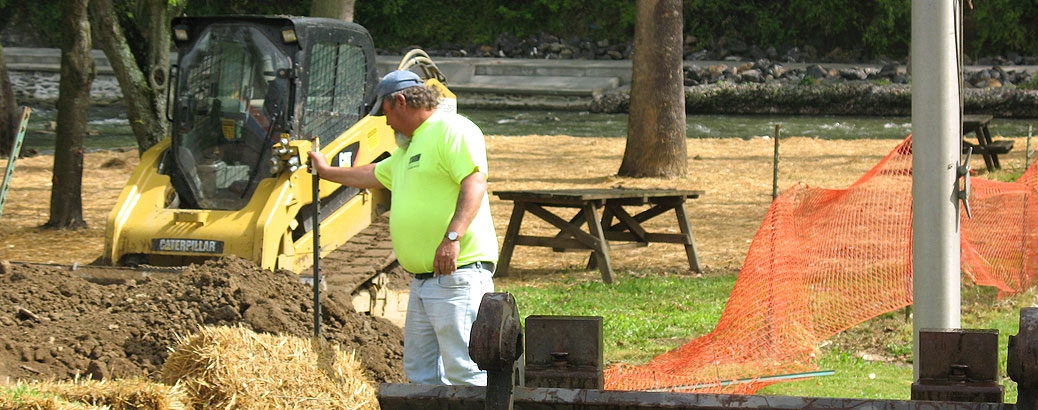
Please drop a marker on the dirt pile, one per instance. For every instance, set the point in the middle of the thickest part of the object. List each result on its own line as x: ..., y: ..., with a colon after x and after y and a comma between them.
x: 59, y: 324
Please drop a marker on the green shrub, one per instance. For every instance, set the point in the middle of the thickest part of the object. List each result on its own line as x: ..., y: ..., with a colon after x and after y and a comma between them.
x: 1031, y: 84
x: 864, y: 29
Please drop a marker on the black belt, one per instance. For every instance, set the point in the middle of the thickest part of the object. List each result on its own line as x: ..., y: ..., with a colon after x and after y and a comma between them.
x: 478, y: 265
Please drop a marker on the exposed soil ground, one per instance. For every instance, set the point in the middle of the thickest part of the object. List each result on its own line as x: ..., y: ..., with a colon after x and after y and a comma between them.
x: 56, y: 324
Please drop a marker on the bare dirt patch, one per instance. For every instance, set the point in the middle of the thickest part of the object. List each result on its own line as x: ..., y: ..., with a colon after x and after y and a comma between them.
x: 55, y: 324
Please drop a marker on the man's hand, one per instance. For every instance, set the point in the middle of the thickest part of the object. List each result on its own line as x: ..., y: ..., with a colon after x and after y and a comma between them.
x: 317, y: 162
x: 446, y: 260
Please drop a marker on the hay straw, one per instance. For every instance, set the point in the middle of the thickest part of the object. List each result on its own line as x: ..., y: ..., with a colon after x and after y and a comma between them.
x: 90, y: 394
x: 43, y: 403
x: 225, y: 367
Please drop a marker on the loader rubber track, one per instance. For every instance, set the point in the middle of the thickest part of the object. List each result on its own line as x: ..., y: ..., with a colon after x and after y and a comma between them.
x: 363, y: 257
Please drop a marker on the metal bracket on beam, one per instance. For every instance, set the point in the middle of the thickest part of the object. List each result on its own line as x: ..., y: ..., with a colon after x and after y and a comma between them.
x: 564, y: 351
x: 958, y: 365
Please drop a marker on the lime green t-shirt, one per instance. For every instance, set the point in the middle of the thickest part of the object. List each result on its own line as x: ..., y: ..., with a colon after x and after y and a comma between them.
x: 425, y: 180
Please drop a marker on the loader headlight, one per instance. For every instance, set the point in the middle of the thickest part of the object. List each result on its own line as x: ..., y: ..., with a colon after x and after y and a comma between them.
x: 180, y: 33
x: 288, y: 35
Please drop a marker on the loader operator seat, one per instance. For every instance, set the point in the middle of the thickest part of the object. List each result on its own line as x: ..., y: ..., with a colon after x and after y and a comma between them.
x: 239, y: 75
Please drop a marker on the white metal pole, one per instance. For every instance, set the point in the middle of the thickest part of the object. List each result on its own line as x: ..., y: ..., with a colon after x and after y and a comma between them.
x: 937, y: 130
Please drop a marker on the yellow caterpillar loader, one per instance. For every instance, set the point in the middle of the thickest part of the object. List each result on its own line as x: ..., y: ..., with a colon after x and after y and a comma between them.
x: 250, y: 95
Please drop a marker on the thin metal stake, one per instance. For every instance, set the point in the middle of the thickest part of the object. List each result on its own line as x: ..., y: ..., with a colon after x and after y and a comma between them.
x: 316, y: 147
x: 775, y: 165
x: 1027, y: 154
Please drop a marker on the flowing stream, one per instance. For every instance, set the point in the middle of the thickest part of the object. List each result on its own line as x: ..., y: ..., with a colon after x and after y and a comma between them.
x: 108, y: 127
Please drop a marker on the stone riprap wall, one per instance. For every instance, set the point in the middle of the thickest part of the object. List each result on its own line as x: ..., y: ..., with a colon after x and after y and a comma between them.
x: 40, y: 89
x: 765, y: 87
x: 850, y: 98
x: 733, y: 88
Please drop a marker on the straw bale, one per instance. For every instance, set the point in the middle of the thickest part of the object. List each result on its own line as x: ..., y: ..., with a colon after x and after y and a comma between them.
x: 43, y: 402
x: 126, y: 394
x: 233, y: 367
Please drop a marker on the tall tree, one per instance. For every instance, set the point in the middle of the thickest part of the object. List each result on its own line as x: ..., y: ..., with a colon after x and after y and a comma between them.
x: 656, y: 145
x: 8, y: 112
x: 77, y: 74
x: 142, y: 76
x: 336, y: 9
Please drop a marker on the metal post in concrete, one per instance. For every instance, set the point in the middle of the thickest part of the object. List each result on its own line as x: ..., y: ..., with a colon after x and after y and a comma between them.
x: 937, y: 130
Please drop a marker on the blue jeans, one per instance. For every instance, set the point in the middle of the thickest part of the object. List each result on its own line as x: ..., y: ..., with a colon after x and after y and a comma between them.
x: 440, y: 313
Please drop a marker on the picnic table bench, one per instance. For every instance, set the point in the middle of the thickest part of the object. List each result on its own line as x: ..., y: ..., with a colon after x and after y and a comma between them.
x: 985, y: 146
x: 603, y: 212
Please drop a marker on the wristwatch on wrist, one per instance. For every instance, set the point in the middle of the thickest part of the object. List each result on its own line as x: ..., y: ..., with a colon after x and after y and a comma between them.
x: 452, y: 236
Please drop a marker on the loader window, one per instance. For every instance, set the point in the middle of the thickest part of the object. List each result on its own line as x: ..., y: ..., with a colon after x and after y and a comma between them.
x: 230, y: 105
x: 335, y: 92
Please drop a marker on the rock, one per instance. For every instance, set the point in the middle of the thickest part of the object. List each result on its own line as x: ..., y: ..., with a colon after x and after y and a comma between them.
x: 751, y: 76
x: 889, y: 70
x: 696, y: 55
x: 816, y: 71
x: 792, y: 55
x: 853, y: 74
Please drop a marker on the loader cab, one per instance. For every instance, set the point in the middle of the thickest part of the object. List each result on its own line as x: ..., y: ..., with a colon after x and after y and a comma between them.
x: 242, y: 83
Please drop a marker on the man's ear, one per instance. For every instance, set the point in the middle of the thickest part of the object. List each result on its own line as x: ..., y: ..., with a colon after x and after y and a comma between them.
x: 399, y: 100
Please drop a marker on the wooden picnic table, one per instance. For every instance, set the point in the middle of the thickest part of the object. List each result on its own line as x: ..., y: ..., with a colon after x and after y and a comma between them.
x: 604, y: 213
x: 985, y: 146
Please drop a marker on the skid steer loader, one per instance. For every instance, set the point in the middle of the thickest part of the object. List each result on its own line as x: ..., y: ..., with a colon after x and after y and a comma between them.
x: 249, y: 96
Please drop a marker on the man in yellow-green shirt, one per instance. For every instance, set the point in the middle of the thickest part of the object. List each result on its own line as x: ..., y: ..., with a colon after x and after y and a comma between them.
x: 440, y: 224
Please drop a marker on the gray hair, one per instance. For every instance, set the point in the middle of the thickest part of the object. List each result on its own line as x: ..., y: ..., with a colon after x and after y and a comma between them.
x: 418, y: 97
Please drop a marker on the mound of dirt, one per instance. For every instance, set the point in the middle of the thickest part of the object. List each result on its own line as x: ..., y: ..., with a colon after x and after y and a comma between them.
x: 60, y: 325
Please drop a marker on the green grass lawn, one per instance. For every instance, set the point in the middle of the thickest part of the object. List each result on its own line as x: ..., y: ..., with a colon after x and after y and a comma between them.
x: 646, y: 315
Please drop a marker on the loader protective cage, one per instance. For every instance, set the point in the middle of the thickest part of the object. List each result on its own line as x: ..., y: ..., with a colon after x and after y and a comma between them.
x: 248, y: 96
x: 241, y: 85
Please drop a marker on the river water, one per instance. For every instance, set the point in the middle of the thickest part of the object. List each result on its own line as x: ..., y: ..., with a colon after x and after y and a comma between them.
x: 109, y: 128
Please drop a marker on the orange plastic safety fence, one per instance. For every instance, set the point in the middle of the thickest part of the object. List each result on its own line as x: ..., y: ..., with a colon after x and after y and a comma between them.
x: 825, y: 260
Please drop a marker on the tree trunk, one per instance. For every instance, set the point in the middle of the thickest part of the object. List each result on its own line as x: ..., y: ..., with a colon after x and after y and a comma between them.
x: 77, y: 74
x: 143, y: 94
x: 336, y: 9
x: 159, y: 16
x: 656, y: 145
x: 9, y: 121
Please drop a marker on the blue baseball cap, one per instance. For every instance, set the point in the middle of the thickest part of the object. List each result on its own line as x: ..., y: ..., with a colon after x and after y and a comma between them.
x: 391, y: 83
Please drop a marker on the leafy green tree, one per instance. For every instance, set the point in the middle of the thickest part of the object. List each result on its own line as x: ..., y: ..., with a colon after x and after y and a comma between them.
x: 1002, y: 26
x: 870, y: 29
x: 336, y: 9
x: 885, y: 35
